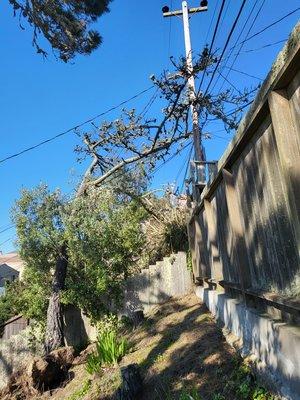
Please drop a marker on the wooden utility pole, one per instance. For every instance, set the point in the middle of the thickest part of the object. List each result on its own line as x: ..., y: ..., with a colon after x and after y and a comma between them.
x: 185, y: 11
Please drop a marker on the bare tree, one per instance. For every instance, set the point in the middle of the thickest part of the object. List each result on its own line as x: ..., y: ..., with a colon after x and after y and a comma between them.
x: 132, y: 140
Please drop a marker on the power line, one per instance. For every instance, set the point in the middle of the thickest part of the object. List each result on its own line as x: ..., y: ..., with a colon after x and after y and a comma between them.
x: 149, y: 103
x: 216, y: 27
x: 264, y: 29
x: 74, y: 128
x: 4, y: 226
x: 225, y: 13
x: 170, y: 32
x: 212, y: 41
x: 220, y: 137
x: 226, y: 44
x: 211, y: 21
x: 6, y: 229
x: 228, y: 81
x: 240, y: 34
x: 266, y: 45
x: 7, y: 240
x: 259, y: 48
x: 268, y: 26
x: 239, y: 108
x: 244, y: 73
x: 235, y: 110
x: 170, y: 158
x: 182, y: 166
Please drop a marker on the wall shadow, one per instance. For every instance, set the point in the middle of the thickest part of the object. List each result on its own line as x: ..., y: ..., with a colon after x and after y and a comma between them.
x: 191, y: 353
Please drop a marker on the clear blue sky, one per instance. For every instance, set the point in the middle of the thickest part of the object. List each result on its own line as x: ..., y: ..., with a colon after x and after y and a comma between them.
x: 40, y: 98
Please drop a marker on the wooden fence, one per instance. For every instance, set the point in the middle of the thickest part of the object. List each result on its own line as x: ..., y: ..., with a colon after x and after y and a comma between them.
x: 13, y: 326
x: 245, y: 229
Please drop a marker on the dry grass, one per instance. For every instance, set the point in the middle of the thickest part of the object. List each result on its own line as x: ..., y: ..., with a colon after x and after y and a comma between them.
x: 178, y: 346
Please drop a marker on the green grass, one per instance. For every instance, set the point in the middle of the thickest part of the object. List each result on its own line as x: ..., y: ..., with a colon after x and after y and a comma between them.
x: 243, y: 383
x: 80, y: 393
x: 189, y: 395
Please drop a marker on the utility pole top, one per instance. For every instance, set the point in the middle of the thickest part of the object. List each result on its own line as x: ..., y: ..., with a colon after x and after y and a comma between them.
x: 185, y: 11
x: 179, y: 12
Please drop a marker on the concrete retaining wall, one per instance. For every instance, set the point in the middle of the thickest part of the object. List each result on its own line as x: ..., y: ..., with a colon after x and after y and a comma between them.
x: 78, y: 329
x: 275, y: 346
x: 16, y: 352
x: 152, y: 286
x: 157, y: 284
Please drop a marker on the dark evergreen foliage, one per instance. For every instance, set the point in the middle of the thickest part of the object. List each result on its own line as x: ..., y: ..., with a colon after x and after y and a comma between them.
x: 64, y: 23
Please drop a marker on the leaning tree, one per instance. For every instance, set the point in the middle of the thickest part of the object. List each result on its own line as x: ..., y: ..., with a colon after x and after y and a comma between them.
x: 63, y: 23
x: 133, y: 141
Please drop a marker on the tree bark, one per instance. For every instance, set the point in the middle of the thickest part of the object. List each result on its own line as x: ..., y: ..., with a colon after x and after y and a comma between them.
x: 54, y: 329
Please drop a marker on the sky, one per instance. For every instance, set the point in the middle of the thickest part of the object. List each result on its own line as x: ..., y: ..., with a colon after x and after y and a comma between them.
x: 41, y: 98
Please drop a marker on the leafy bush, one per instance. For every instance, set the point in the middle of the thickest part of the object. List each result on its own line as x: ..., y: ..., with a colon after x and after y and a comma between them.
x: 109, y: 351
x: 6, y: 309
x: 109, y: 322
x: 261, y: 394
x: 103, y: 236
x: 27, y: 297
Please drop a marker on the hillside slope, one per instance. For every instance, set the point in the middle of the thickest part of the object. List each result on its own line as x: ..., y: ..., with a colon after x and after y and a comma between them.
x: 180, y: 351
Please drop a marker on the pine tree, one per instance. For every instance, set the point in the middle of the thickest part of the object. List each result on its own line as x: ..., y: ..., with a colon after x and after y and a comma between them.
x: 64, y: 23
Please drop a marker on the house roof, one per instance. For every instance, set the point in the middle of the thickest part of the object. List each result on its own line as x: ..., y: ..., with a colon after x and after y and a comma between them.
x: 13, y: 260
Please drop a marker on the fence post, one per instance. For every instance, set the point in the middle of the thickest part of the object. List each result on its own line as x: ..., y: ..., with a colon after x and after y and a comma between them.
x: 237, y: 229
x: 213, y: 239
x: 192, y: 244
x: 198, y: 241
x: 288, y: 146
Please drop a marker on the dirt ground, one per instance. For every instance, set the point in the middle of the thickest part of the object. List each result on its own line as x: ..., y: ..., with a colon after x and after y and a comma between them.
x: 180, y: 349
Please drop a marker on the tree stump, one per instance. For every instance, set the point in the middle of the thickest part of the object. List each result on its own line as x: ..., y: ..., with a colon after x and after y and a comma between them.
x: 131, y: 383
x: 137, y: 317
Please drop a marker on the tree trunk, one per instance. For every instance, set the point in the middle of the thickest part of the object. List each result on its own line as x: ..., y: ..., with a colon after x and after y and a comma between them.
x: 54, y: 329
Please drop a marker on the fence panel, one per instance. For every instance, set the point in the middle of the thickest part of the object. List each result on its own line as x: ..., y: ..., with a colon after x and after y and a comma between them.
x: 247, y: 223
x: 13, y: 326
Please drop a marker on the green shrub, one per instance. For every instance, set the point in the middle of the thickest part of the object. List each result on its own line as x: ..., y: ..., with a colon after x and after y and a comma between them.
x: 189, y: 395
x: 244, y: 390
x: 109, y: 351
x: 261, y: 394
x: 107, y: 323
x: 218, y: 396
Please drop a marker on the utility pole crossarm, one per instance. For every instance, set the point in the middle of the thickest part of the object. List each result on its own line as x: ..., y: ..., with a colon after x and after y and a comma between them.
x: 179, y: 12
